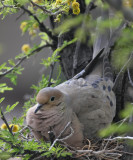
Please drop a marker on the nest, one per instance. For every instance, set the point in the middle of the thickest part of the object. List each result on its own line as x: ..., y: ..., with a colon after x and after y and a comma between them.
x: 104, y: 149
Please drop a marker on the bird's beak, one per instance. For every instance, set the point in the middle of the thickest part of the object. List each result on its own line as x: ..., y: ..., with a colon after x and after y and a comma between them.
x: 38, y: 107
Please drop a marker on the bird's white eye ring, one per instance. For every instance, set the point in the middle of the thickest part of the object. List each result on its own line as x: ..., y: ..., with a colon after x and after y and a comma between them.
x: 52, y: 98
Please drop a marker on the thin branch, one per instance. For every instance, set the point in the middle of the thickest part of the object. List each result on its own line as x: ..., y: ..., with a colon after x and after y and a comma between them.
x: 120, y: 138
x: 8, y: 142
x: 22, y: 59
x: 7, y: 6
x: 41, y: 7
x: 124, y: 152
x: 20, y: 15
x: 53, y: 64
x: 42, y: 27
x: 49, y: 12
x: 51, y: 73
x: 122, y: 70
x: 4, y: 119
x: 61, y: 133
x: 129, y: 76
x: 24, y: 128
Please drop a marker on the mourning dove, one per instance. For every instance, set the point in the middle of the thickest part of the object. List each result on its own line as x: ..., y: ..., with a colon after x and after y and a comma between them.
x: 87, y: 102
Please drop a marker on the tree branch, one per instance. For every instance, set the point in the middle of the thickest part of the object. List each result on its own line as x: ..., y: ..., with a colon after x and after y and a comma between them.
x: 7, y: 6
x: 42, y: 27
x: 51, y: 74
x: 4, y: 119
x: 22, y: 59
x: 122, y: 70
x: 49, y: 12
x: 53, y: 64
x: 8, y: 142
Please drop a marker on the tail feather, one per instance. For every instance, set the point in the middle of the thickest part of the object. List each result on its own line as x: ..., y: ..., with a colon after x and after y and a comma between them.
x: 102, y: 39
x: 107, y: 70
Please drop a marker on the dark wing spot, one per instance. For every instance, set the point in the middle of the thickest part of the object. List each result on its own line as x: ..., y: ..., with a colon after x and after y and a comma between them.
x: 84, y: 85
x: 67, y: 82
x: 100, y: 79
x: 106, y: 79
x: 94, y: 85
x: 108, y: 98
x: 93, y: 96
x: 109, y: 88
x: 104, y: 87
x: 111, y: 103
x: 96, y: 81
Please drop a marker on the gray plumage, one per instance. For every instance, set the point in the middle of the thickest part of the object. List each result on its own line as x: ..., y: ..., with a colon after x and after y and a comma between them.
x: 90, y: 106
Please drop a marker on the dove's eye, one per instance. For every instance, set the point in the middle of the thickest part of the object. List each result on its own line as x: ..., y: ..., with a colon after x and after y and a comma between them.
x: 52, y: 98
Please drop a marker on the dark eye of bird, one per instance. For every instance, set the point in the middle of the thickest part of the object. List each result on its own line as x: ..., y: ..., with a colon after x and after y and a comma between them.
x: 52, y: 98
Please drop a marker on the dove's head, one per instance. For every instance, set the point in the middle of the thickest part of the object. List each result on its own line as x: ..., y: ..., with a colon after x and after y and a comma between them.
x: 48, y: 98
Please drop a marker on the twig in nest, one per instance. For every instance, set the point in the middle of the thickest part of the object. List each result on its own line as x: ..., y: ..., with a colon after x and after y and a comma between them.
x: 120, y: 138
x: 86, y: 146
x: 61, y: 133
x: 125, y: 152
x: 100, y: 153
x: 24, y: 128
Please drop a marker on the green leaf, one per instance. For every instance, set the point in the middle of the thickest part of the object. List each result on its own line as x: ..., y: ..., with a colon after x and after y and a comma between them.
x: 13, y: 78
x: 4, y: 155
x: 127, y: 112
x: 87, y: 1
x: 68, y: 24
x: 13, y: 75
x: 2, y: 99
x: 22, y: 2
x: 4, y: 67
x: 54, y: 58
x: 31, y: 145
x: 64, y: 154
x: 4, y: 87
x: 19, y: 120
x: 10, y: 108
x: 11, y: 62
x: 115, y: 128
x: 43, y: 36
